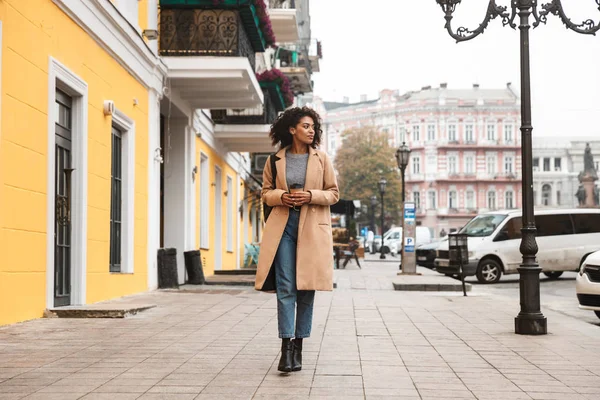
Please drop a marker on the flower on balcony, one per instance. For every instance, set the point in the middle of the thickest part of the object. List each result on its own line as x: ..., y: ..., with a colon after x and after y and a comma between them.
x: 276, y: 76
x: 264, y: 20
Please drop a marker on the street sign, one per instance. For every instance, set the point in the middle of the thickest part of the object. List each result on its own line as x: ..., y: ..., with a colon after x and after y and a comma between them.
x: 409, y: 244
x: 409, y: 212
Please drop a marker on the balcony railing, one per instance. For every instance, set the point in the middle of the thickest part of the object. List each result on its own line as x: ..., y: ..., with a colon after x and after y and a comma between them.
x: 261, y: 115
x: 194, y: 32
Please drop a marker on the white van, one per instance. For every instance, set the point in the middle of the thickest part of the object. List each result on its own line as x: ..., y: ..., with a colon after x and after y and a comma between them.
x: 564, y: 237
x: 393, y: 239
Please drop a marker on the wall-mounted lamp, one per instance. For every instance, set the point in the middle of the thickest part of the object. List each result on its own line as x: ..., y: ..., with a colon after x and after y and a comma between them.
x: 150, y: 34
x: 108, y: 107
x: 194, y: 172
x: 226, y: 193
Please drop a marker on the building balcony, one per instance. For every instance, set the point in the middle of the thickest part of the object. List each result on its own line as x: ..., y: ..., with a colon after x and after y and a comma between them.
x: 262, y: 114
x: 457, y: 177
x: 297, y: 67
x: 470, y: 144
x: 209, y: 48
x: 247, y: 130
x: 283, y: 18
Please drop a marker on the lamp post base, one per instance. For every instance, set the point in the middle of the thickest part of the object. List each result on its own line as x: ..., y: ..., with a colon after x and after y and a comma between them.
x: 530, y: 320
x: 382, y: 256
x: 531, y: 324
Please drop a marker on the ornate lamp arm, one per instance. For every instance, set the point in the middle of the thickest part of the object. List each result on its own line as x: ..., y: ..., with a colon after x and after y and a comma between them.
x: 587, y: 27
x: 462, y: 34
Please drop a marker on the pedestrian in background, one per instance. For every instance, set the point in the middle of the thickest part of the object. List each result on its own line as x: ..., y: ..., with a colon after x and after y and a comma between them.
x: 296, y: 252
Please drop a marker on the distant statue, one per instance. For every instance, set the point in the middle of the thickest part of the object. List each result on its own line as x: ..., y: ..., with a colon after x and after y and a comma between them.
x: 443, y: 233
x: 580, y: 195
x: 589, y: 168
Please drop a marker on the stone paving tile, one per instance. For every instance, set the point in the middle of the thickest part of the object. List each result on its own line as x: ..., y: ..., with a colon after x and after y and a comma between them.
x: 54, y: 396
x: 373, y: 343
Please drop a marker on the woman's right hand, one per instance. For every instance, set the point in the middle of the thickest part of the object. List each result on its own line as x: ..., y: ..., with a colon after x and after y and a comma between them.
x: 287, y: 200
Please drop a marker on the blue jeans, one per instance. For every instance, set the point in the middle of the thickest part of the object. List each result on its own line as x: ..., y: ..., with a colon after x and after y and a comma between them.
x: 291, y: 301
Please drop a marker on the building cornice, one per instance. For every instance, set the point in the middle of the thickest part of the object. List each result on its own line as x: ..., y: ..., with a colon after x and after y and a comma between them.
x: 111, y: 30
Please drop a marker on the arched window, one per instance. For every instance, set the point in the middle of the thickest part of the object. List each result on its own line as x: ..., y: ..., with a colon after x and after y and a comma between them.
x: 508, y: 200
x: 452, y: 200
x: 546, y: 194
x: 491, y: 200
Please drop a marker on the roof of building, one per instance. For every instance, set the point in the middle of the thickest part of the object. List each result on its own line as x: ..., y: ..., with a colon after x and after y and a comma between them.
x: 474, y: 94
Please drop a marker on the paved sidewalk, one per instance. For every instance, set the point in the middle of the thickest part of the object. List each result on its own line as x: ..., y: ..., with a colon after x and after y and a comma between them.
x: 372, y: 343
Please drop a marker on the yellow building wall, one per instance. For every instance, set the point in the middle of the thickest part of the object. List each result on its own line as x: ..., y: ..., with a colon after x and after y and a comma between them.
x: 208, y: 255
x: 34, y: 30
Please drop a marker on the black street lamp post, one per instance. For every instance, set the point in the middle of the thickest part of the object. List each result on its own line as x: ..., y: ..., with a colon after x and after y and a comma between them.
x: 382, y: 183
x: 373, y: 204
x: 530, y: 320
x: 402, y: 157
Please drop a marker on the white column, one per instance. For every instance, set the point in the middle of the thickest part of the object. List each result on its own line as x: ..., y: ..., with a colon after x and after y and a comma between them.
x: 176, y: 176
x: 238, y: 225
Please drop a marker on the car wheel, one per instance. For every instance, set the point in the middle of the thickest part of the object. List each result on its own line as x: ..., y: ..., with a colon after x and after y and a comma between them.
x: 385, y: 250
x: 554, y: 274
x: 489, y: 271
x: 597, y: 313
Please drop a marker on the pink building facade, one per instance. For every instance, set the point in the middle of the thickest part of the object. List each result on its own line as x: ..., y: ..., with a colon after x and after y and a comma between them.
x: 466, y: 148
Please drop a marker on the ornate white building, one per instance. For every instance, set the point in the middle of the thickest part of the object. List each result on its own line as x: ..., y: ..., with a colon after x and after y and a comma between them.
x: 556, y: 164
x: 466, y: 150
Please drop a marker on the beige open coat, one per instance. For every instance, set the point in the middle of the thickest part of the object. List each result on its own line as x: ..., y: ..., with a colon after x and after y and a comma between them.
x: 314, y: 256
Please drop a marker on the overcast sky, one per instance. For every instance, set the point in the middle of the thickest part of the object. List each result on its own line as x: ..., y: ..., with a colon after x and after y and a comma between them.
x: 369, y: 45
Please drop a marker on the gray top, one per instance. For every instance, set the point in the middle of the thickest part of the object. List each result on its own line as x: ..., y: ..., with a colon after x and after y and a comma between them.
x: 295, y: 168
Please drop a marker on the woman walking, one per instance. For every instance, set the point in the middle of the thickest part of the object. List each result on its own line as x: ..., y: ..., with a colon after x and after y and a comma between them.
x: 296, y: 251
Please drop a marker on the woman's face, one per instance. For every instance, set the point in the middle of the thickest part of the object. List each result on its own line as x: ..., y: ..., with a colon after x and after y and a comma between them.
x: 304, y: 132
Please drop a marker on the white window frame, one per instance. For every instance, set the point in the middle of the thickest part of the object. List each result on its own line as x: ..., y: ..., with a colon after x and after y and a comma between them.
x: 453, y: 164
x: 229, y: 215
x: 204, y: 201
x: 469, y: 128
x: 453, y: 199
x: 491, y: 195
x: 470, y: 205
x: 549, y: 192
x: 416, y: 133
x: 452, y: 133
x: 509, y: 127
x: 509, y: 195
x: 491, y: 128
x: 431, y: 132
x: 509, y: 161
x: 416, y: 162
x: 417, y: 199
x: 431, y: 198
x: 469, y: 171
x: 127, y: 128
x: 60, y: 77
x: 491, y: 161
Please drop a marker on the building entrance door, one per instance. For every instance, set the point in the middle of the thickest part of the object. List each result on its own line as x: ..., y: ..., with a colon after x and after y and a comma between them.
x: 62, y: 202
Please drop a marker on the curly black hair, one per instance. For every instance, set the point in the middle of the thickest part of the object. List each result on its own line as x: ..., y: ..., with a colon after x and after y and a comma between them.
x: 280, y: 130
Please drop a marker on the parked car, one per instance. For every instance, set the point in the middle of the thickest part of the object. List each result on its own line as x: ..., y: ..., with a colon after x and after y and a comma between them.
x: 564, y: 237
x: 394, y: 239
x: 427, y: 253
x: 587, y: 284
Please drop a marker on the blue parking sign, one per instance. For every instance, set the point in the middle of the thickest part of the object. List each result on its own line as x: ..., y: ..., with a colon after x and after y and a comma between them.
x: 409, y: 244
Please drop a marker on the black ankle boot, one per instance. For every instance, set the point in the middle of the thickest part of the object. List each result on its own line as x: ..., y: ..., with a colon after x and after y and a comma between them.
x: 287, y: 350
x: 297, y: 358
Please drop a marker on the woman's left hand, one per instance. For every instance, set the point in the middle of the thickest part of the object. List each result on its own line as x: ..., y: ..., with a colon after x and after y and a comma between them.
x: 301, y: 198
